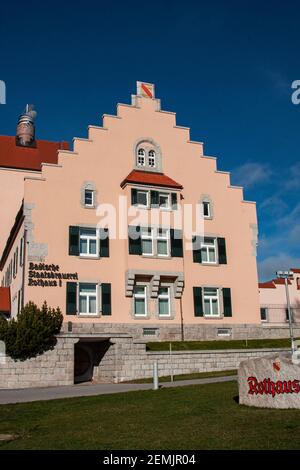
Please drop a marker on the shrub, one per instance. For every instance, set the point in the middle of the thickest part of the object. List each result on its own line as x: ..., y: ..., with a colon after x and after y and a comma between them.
x: 32, y: 332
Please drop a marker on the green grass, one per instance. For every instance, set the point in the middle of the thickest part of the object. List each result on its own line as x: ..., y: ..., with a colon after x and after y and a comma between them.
x: 195, y: 375
x: 227, y: 344
x: 193, y: 417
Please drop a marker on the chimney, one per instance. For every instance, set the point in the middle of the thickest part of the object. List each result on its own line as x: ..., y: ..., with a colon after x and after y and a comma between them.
x: 26, y: 129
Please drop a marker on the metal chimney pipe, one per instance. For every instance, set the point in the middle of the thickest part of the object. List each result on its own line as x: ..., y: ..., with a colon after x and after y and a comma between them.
x: 25, y: 136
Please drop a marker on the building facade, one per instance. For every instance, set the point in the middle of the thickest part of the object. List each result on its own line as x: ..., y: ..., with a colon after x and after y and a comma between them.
x: 135, y: 229
x: 273, y: 300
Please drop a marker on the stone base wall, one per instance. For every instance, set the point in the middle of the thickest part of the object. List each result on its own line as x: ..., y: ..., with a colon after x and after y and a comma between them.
x: 55, y: 367
x: 134, y: 362
x: 190, y: 332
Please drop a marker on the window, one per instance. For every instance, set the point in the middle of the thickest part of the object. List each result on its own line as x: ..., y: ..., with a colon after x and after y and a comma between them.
x: 147, y: 241
x: 164, y: 200
x: 141, y: 157
x: 89, y: 197
x: 211, y: 302
x: 208, y: 251
x: 88, y: 299
x: 263, y: 314
x: 164, y: 302
x: 287, y: 315
x: 150, y: 331
x: 140, y: 301
x: 206, y: 209
x: 151, y: 158
x: 163, y: 242
x: 89, y: 242
x: 155, y: 241
x: 224, y: 332
x: 21, y: 251
x: 142, y: 198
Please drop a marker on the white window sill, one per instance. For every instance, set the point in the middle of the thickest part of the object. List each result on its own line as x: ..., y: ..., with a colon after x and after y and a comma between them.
x: 88, y: 257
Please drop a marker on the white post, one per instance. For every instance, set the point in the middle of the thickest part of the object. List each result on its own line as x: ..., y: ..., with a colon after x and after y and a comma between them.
x: 171, y: 364
x: 155, y: 375
x: 289, y: 313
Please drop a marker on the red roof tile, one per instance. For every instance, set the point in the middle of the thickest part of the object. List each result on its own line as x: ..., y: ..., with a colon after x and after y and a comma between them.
x: 280, y: 281
x: 4, y: 300
x: 150, y: 178
x: 266, y: 285
x: 28, y: 158
x: 295, y: 270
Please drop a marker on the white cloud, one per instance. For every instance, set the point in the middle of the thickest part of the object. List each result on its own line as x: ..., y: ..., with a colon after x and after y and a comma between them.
x: 251, y: 173
x: 268, y: 267
x: 293, y: 177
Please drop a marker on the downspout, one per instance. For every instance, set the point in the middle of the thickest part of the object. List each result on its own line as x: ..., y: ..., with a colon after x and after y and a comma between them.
x: 24, y: 260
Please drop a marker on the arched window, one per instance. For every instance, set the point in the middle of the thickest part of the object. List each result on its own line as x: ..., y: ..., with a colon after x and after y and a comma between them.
x: 147, y: 155
x: 141, y: 157
x: 151, y: 159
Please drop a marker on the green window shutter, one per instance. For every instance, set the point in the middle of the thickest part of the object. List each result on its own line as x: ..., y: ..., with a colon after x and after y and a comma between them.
x: 176, y: 243
x: 133, y: 197
x: 106, y: 299
x: 104, y: 243
x: 154, y: 198
x: 197, y: 258
x: 134, y: 241
x: 222, y: 251
x: 198, y: 306
x: 74, y: 241
x: 174, y: 201
x: 71, y: 307
x: 227, y: 302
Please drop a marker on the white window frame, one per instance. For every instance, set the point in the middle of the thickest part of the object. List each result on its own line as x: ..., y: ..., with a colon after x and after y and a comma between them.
x: 162, y: 193
x: 163, y: 297
x: 160, y: 237
x: 148, y: 237
x: 93, y: 197
x: 88, y: 295
x: 209, y: 209
x: 141, y: 154
x: 89, y: 238
x: 152, y: 156
x: 266, y: 309
x: 207, y: 246
x: 211, y: 298
x: 147, y: 197
x: 154, y: 237
x: 140, y: 296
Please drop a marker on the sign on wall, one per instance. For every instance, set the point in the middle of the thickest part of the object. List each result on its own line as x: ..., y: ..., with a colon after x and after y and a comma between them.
x: 48, y: 275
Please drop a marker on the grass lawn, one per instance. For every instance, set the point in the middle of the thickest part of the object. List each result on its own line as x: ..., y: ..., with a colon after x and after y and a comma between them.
x: 195, y: 375
x: 194, y: 417
x: 222, y: 344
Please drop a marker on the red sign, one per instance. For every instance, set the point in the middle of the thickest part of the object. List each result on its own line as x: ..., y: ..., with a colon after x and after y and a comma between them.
x: 268, y: 387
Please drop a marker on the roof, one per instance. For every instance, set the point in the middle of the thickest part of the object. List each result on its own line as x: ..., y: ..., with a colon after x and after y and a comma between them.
x: 150, y: 178
x: 28, y: 158
x: 267, y: 285
x: 296, y: 270
x: 4, y: 299
x: 12, y: 236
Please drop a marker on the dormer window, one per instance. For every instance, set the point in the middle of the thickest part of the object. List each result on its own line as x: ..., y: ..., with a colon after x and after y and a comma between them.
x: 141, y: 157
x: 151, y: 159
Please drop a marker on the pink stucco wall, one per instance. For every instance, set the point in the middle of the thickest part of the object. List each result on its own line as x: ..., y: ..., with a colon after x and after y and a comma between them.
x: 11, y: 196
x: 106, y: 158
x: 274, y: 300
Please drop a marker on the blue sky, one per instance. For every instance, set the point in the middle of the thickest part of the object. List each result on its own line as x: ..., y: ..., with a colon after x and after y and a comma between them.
x: 225, y: 67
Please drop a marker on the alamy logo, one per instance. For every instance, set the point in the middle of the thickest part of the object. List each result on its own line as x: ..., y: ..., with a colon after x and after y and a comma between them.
x: 296, y: 94
x: 2, y: 352
x: 2, y: 92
